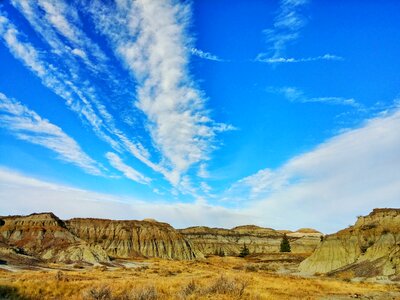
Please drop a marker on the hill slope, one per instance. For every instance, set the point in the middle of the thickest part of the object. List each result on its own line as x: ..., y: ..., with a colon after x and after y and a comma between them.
x: 369, y: 248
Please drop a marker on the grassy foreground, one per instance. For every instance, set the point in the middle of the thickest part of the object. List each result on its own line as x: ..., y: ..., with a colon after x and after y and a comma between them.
x: 213, y: 278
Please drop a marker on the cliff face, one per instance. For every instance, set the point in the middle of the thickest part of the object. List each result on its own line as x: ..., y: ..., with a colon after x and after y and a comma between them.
x: 257, y: 239
x: 126, y: 239
x: 46, y: 237
x: 369, y: 248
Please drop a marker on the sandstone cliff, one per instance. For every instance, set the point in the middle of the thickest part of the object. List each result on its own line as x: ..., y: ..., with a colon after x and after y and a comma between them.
x: 369, y: 248
x: 257, y: 239
x: 126, y: 239
x: 45, y: 236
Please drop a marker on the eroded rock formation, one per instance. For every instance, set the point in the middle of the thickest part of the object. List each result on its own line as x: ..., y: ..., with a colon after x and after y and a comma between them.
x: 257, y: 239
x: 369, y: 248
x: 124, y: 239
x: 46, y: 237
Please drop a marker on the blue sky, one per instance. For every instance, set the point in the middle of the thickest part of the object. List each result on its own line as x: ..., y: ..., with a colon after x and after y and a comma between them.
x: 279, y: 113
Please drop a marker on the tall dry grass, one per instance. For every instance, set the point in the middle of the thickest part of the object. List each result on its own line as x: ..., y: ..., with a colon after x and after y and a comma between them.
x: 214, y: 278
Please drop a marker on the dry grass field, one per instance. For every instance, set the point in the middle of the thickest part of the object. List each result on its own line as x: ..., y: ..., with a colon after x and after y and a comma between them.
x: 212, y: 278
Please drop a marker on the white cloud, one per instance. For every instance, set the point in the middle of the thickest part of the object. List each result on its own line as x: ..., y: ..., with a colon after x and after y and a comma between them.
x: 202, y: 172
x: 262, y: 57
x: 295, y: 95
x: 79, y: 52
x: 67, y: 202
x: 78, y: 94
x: 24, y: 51
x: 52, y: 77
x: 205, y: 55
x: 326, y: 188
x: 27, y: 125
x: 287, y: 25
x: 286, y: 29
x: 128, y: 171
x: 205, y: 188
x: 151, y: 38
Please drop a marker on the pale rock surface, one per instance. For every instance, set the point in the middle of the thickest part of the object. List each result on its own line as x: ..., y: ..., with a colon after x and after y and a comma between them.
x: 370, y: 248
x: 257, y: 239
x: 124, y: 239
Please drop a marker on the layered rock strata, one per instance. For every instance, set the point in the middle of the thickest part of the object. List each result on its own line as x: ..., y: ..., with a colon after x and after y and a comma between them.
x: 369, y: 248
x: 46, y: 237
x: 124, y: 239
x: 257, y: 239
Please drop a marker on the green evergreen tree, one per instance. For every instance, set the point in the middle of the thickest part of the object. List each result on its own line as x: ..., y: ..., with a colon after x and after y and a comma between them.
x: 285, y: 244
x: 244, y: 251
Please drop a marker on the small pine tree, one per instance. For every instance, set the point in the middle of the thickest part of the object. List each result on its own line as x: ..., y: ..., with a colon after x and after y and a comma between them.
x: 285, y: 244
x: 244, y: 251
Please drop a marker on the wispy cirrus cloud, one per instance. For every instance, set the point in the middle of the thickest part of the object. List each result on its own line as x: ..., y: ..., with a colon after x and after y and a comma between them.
x: 294, y: 94
x: 205, y: 55
x: 54, y: 78
x: 128, y: 171
x: 152, y: 40
x: 287, y: 26
x: 286, y: 30
x: 280, y: 60
x: 79, y: 96
x: 28, y: 126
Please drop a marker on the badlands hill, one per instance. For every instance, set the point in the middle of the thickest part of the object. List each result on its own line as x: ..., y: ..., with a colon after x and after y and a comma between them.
x: 125, y: 239
x: 44, y: 236
x: 369, y: 248
x: 257, y: 239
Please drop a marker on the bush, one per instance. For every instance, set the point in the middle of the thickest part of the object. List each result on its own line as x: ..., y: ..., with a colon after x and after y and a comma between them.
x: 224, y: 285
x: 188, y: 289
x: 101, y: 293
x: 144, y: 293
x: 244, y: 251
x: 10, y: 293
x: 251, y: 268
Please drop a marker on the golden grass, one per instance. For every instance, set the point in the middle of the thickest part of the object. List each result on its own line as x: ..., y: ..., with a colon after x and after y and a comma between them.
x: 214, y: 278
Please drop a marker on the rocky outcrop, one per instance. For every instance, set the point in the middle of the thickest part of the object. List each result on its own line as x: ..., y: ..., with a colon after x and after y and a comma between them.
x: 369, y: 248
x: 44, y: 236
x: 257, y: 239
x: 124, y: 239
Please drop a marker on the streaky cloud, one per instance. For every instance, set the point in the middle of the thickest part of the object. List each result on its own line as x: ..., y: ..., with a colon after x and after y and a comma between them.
x: 262, y: 57
x: 287, y: 25
x: 128, y: 171
x: 205, y: 55
x: 151, y: 39
x: 28, y: 126
x: 296, y: 95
